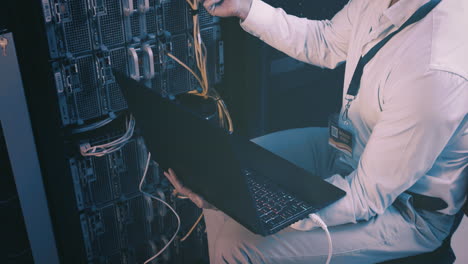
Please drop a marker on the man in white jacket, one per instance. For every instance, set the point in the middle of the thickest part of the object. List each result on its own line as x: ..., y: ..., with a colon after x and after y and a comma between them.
x: 409, y: 127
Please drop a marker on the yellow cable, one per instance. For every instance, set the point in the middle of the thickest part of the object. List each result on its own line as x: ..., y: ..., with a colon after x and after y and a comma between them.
x: 201, y: 63
x: 193, y: 228
x: 185, y: 66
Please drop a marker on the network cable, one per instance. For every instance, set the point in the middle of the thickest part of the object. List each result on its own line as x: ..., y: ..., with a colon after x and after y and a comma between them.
x: 140, y: 187
x: 318, y: 221
x: 201, y: 59
x: 93, y: 126
x: 192, y: 228
x: 199, y: 46
x: 115, y: 145
x: 206, y: 91
x: 201, y: 63
x: 223, y: 113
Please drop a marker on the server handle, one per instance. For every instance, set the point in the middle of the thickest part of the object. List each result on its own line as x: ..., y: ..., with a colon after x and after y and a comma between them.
x: 149, y: 61
x: 134, y: 67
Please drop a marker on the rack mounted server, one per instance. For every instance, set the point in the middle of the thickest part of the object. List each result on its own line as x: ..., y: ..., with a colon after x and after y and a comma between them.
x: 89, y: 38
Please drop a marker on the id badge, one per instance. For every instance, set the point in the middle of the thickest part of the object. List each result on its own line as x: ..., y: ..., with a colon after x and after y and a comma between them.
x: 340, y: 138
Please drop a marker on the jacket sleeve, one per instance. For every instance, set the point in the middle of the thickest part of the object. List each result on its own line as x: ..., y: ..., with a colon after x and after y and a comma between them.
x: 416, y: 124
x: 321, y: 43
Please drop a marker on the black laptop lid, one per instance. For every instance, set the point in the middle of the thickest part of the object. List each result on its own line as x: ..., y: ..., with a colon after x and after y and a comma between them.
x: 198, y: 151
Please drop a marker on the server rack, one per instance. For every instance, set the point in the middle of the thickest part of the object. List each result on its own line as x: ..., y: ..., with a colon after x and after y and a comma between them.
x: 66, y: 49
x: 66, y: 52
x: 89, y: 38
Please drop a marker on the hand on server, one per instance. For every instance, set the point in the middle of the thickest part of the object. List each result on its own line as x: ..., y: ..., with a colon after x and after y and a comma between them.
x: 180, y: 189
x: 228, y: 8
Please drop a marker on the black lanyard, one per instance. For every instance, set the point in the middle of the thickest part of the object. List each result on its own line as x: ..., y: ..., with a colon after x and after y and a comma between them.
x: 356, y: 80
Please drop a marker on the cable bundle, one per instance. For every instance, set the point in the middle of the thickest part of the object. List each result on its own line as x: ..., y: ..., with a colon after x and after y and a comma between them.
x: 115, y: 145
x: 206, y: 92
x: 201, y: 60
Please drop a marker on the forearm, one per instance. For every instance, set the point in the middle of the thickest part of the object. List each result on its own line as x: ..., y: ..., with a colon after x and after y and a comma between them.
x: 409, y: 137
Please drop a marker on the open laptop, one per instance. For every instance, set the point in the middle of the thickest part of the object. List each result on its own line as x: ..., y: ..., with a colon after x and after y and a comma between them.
x: 262, y: 191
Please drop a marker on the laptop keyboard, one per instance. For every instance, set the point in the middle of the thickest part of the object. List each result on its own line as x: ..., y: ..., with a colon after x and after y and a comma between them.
x: 273, y: 204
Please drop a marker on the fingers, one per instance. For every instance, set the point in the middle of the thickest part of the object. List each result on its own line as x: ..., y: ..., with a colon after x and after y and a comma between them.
x: 171, y: 176
x: 179, y: 188
x: 210, y: 5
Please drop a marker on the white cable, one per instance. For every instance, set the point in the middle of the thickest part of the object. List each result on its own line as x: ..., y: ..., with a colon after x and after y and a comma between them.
x: 166, y: 204
x: 107, y: 148
x: 93, y: 126
x: 317, y: 220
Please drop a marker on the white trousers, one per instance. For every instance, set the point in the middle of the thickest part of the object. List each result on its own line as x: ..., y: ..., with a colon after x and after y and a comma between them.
x: 401, y: 231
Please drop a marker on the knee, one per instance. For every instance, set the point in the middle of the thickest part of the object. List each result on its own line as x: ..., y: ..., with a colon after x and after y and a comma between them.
x: 231, y: 250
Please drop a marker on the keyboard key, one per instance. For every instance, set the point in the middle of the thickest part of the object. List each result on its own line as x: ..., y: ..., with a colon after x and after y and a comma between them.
x: 273, y: 204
